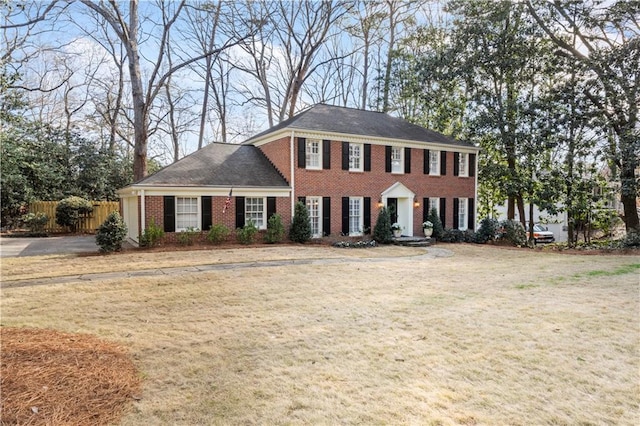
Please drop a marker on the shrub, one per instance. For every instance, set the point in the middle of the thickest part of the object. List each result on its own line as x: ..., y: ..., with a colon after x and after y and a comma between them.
x: 35, y: 221
x: 152, y: 235
x: 188, y: 236
x: 111, y: 233
x: 487, y: 231
x: 300, y: 225
x: 218, y: 233
x: 247, y: 234
x: 69, y: 211
x: 452, y: 236
x: 434, y: 218
x: 632, y: 239
x: 382, y: 230
x: 513, y: 232
x: 275, y: 229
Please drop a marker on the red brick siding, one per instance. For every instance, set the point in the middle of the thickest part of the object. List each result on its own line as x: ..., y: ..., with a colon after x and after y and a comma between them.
x: 337, y: 183
x: 279, y: 153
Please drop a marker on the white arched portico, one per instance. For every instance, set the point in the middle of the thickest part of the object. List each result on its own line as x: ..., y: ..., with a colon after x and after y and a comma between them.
x: 400, y: 198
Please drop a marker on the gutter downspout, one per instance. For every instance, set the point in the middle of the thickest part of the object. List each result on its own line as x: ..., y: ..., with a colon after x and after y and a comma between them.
x: 293, y: 178
x: 475, y: 184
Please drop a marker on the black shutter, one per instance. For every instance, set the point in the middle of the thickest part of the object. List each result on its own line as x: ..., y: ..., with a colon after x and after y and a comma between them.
x: 239, y: 212
x: 302, y: 153
x: 326, y: 154
x: 456, y: 163
x: 470, y: 209
x: 206, y: 212
x: 443, y: 163
x: 407, y: 160
x: 367, y: 157
x: 367, y: 215
x: 456, y: 205
x: 303, y: 200
x: 271, y: 207
x: 425, y: 162
x: 443, y: 211
x: 425, y: 209
x: 472, y: 165
x: 345, y: 155
x: 326, y: 216
x: 345, y: 215
x: 169, y: 213
x: 387, y: 159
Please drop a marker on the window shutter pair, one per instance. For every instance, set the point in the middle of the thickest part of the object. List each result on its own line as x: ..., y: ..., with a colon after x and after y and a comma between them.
x: 366, y: 215
x: 302, y: 153
x: 169, y: 213
x: 240, y: 213
x: 470, y: 215
x: 387, y: 159
x: 366, y: 154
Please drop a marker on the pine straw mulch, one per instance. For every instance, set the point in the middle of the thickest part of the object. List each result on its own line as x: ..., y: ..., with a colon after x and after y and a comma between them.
x: 49, y: 377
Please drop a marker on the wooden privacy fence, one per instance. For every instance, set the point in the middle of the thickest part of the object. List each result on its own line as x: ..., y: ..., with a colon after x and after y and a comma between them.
x: 90, y: 223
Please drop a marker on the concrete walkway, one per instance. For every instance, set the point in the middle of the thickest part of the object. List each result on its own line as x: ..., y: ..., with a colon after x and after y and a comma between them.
x: 430, y: 253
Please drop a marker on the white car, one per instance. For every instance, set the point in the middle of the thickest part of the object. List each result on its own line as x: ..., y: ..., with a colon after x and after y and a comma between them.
x: 541, y: 234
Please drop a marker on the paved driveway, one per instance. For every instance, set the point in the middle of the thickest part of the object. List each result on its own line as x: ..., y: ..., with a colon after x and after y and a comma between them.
x: 18, y: 247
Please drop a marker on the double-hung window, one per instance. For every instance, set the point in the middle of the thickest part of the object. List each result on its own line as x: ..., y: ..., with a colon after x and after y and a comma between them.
x: 463, y: 169
x: 186, y: 213
x: 355, y: 157
x: 314, y: 206
x: 434, y: 162
x: 313, y: 147
x: 434, y: 203
x: 397, y: 165
x: 355, y: 216
x: 462, y: 213
x: 254, y: 211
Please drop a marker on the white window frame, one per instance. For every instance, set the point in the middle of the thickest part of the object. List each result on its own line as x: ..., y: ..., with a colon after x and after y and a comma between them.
x: 356, y: 162
x: 356, y: 220
x: 463, y: 212
x: 313, y: 152
x: 397, y: 160
x: 463, y: 164
x: 314, y: 207
x: 434, y: 203
x: 183, y: 224
x: 434, y: 166
x: 252, y: 215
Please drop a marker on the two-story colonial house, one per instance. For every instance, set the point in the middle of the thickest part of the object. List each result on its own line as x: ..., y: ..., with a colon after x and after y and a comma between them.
x: 344, y: 164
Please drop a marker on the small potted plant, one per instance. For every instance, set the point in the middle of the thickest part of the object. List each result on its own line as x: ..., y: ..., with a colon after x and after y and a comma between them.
x: 397, y: 229
x: 427, y: 227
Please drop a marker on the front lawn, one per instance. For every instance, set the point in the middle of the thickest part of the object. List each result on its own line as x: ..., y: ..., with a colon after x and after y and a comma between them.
x: 486, y: 336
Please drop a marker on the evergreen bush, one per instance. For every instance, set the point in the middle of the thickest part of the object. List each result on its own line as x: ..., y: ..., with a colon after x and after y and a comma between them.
x: 434, y: 218
x: 247, y: 234
x: 111, y: 233
x: 275, y: 229
x: 300, y: 225
x: 35, y: 221
x: 487, y: 231
x: 218, y: 233
x: 382, y: 230
x: 514, y: 232
x: 69, y: 211
x: 152, y: 235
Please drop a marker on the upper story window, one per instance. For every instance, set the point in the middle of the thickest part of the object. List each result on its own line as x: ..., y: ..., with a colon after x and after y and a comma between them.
x: 313, y: 154
x: 434, y: 162
x: 254, y: 211
x: 186, y: 213
x: 463, y: 164
x: 355, y: 157
x: 397, y: 165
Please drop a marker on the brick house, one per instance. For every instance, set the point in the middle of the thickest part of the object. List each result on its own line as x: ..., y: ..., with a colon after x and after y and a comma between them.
x: 343, y: 163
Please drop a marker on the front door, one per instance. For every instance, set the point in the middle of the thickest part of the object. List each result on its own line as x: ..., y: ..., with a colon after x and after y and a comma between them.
x: 392, y: 206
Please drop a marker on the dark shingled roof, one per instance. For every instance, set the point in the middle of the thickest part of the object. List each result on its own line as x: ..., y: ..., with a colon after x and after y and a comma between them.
x: 219, y: 164
x: 329, y: 118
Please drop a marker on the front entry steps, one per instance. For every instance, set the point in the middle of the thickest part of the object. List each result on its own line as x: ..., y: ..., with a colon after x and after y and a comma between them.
x: 414, y: 241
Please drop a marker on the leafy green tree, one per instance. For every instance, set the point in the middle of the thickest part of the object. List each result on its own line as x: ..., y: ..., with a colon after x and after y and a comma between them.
x: 300, y: 231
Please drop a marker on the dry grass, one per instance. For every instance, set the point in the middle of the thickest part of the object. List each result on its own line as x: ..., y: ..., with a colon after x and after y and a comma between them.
x: 487, y: 336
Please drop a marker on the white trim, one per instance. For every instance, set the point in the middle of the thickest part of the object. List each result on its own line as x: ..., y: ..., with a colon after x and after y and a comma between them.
x: 465, y: 222
x: 401, y: 167
x: 143, y: 211
x: 435, y: 171
x: 308, y: 142
x: 219, y: 191
x: 198, y: 212
x: 463, y: 158
x: 360, y: 167
x: 319, y: 201
x: 360, y: 231
x: 264, y: 212
x: 374, y: 140
x: 292, y: 189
